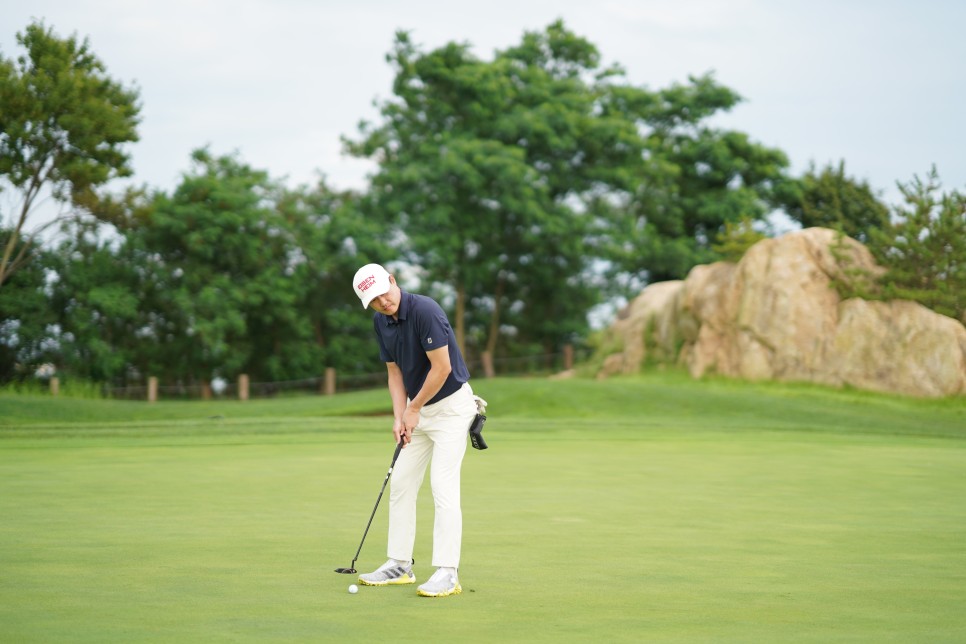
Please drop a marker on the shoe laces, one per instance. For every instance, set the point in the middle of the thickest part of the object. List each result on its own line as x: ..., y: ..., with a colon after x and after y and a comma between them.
x: 443, y: 575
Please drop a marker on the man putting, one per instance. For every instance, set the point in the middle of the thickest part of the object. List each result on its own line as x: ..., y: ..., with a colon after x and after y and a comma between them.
x: 433, y: 406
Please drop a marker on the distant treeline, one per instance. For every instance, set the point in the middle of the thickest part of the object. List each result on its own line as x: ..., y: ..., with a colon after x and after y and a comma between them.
x: 522, y: 191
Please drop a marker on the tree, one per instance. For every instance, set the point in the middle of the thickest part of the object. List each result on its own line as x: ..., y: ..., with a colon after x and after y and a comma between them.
x: 736, y: 239
x: 833, y: 200
x: 230, y: 274
x: 336, y: 236
x: 63, y: 127
x: 238, y: 274
x: 101, y: 305
x: 220, y: 260
x: 483, y: 165
x: 924, y: 249
x: 690, y: 182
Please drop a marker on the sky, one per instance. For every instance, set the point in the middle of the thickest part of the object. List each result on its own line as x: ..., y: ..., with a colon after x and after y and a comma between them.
x: 880, y: 84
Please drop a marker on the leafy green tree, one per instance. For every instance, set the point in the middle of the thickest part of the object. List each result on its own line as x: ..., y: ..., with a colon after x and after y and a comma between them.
x: 64, y: 124
x: 100, y: 302
x: 335, y: 237
x: 483, y: 166
x: 924, y: 249
x: 226, y: 258
x: 241, y: 275
x: 736, y: 239
x: 692, y: 179
x: 231, y: 274
x: 833, y: 200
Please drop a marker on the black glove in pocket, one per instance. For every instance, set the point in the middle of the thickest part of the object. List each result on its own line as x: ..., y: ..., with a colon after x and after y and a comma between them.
x: 476, y: 432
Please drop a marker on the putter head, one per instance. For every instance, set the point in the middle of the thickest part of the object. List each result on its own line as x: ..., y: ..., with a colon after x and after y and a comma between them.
x: 346, y: 571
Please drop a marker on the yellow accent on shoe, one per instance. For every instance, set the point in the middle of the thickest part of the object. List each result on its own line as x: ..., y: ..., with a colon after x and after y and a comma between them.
x: 398, y: 581
x: 455, y: 590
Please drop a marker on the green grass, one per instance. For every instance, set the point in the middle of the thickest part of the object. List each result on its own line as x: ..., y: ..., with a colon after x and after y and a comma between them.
x: 652, y: 508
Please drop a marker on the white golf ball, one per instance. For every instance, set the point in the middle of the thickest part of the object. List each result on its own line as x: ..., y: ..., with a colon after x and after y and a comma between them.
x: 353, y: 589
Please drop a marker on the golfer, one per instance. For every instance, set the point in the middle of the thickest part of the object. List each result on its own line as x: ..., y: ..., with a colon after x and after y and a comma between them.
x: 433, y: 406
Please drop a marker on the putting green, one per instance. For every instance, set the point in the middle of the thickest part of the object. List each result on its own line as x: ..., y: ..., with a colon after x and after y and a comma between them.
x: 682, y: 512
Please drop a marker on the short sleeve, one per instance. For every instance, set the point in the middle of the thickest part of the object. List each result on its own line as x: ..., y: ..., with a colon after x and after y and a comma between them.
x: 433, y: 330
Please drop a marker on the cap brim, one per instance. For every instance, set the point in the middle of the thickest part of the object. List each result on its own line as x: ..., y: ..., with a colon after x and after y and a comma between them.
x: 369, y: 298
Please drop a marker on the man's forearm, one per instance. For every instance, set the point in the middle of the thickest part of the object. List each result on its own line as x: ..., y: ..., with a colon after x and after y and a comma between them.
x: 397, y: 393
x: 435, y: 380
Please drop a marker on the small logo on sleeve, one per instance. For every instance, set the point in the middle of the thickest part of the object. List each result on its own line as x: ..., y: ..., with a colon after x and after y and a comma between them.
x: 429, y: 340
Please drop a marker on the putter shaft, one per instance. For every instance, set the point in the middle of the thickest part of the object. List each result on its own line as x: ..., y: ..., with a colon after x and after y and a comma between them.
x: 352, y: 567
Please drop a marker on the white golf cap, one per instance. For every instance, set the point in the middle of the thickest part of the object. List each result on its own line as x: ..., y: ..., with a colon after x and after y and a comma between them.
x: 371, y: 281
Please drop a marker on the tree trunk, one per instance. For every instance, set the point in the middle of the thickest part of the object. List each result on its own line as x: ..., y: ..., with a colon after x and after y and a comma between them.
x: 461, y: 317
x: 7, y: 265
x: 494, y: 333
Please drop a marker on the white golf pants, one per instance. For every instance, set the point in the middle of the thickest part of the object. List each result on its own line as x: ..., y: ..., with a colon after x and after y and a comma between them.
x: 440, y: 439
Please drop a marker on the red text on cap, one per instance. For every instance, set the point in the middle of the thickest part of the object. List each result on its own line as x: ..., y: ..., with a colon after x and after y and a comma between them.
x: 366, y: 283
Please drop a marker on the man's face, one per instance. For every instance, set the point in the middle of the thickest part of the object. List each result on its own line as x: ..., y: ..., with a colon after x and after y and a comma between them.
x: 388, y: 302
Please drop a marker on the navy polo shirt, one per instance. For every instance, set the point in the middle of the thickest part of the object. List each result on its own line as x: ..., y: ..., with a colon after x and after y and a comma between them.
x: 422, y: 326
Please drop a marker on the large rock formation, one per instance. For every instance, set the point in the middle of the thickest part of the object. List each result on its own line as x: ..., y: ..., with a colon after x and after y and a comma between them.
x: 775, y: 315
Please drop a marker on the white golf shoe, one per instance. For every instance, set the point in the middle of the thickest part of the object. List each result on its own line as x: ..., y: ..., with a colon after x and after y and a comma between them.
x: 444, y: 582
x: 391, y: 573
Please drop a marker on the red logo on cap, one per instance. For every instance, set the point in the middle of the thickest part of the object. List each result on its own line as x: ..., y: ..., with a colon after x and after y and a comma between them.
x: 366, y: 283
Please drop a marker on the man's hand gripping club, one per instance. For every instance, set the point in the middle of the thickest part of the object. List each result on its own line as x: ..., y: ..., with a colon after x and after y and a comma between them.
x: 402, y: 429
x: 405, y: 423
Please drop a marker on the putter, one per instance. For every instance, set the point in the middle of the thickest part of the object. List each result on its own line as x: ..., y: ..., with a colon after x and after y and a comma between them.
x: 351, y: 570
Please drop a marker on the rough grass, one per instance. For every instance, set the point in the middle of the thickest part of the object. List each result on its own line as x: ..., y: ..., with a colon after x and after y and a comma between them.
x: 652, y: 508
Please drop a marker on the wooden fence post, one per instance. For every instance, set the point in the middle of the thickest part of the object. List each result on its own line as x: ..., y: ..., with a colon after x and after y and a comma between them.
x: 243, y: 387
x: 329, y: 381
x: 568, y: 357
x: 54, y: 386
x: 153, y: 389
